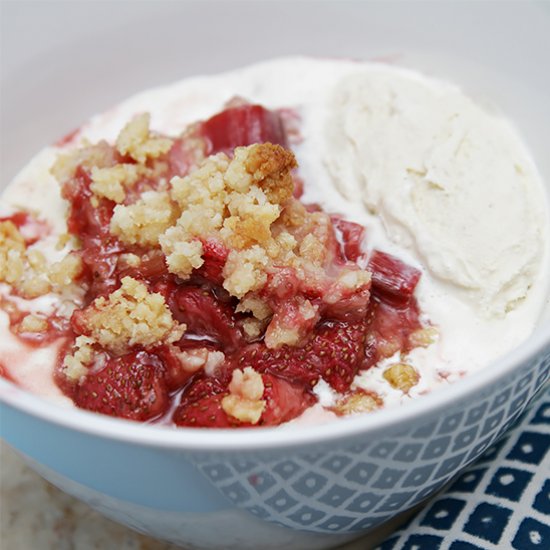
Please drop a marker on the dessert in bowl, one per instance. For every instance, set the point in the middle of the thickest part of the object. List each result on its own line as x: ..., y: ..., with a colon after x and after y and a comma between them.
x: 209, y: 286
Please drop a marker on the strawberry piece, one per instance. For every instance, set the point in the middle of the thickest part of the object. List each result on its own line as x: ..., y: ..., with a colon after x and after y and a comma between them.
x: 352, y: 235
x: 176, y: 376
x: 205, y: 413
x: 214, y: 255
x: 206, y: 315
x: 334, y: 353
x: 242, y: 125
x: 392, y: 279
x: 131, y: 386
x: 201, y: 405
x: 284, y: 401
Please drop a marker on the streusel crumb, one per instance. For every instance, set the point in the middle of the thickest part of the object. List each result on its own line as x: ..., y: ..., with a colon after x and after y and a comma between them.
x: 358, y: 402
x: 33, y: 323
x: 21, y: 267
x: 12, y: 253
x: 234, y: 200
x: 244, y: 271
x: 131, y: 316
x: 66, y: 271
x: 112, y: 182
x: 244, y: 401
x: 75, y: 365
x: 136, y: 140
x: 402, y: 376
x: 145, y: 220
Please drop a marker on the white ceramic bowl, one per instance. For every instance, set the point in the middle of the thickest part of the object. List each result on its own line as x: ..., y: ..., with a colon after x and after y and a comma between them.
x: 313, y: 487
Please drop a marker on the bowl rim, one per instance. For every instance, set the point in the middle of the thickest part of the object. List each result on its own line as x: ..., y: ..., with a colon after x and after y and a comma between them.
x: 281, y: 437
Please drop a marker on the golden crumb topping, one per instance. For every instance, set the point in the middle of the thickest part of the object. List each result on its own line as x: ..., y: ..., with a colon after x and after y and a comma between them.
x: 111, y: 183
x: 402, y: 376
x: 144, y: 221
x: 33, y: 323
x: 358, y: 402
x: 66, y: 271
x: 130, y: 316
x: 233, y: 200
x: 12, y: 253
x: 137, y: 141
x: 75, y: 365
x: 244, y: 401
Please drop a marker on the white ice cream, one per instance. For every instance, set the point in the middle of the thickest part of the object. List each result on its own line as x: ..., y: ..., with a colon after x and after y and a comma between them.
x: 437, y: 180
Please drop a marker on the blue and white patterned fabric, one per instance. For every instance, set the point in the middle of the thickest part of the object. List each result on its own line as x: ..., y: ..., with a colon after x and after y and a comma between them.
x: 500, y: 502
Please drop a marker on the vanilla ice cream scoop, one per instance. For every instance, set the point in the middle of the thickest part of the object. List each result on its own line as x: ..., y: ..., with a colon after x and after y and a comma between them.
x: 449, y: 180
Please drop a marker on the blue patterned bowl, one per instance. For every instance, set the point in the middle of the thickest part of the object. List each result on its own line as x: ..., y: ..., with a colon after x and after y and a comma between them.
x: 309, y: 487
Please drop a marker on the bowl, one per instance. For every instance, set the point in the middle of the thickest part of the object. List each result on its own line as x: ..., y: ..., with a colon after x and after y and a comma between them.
x: 310, y: 487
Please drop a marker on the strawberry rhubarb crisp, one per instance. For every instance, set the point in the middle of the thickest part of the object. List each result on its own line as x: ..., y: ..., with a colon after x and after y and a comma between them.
x: 194, y: 278
x: 207, y: 294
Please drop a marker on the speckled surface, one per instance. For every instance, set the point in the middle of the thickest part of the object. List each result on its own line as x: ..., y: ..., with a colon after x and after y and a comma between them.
x: 36, y: 515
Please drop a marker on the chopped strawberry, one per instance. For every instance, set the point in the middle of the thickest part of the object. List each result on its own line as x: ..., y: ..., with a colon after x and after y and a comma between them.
x: 334, y: 353
x: 214, y: 255
x: 131, y: 386
x: 206, y: 315
x: 176, y: 376
x: 242, y: 125
x: 392, y: 279
x: 205, y: 413
x: 201, y: 405
x: 352, y: 235
x: 284, y: 401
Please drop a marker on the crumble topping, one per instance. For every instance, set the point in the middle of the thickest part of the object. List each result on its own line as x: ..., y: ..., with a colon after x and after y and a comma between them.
x: 12, y: 253
x: 402, y: 376
x: 244, y: 401
x: 137, y: 141
x: 144, y: 221
x: 111, y: 182
x: 33, y: 323
x: 359, y: 401
x: 130, y: 316
x: 75, y: 365
x: 66, y: 271
x: 245, y: 271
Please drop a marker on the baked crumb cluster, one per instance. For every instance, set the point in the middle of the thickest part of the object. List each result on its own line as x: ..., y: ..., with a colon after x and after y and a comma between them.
x: 130, y: 316
x: 203, y: 278
x: 25, y: 269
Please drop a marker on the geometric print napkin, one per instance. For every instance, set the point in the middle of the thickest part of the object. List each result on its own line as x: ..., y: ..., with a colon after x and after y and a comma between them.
x: 501, y: 502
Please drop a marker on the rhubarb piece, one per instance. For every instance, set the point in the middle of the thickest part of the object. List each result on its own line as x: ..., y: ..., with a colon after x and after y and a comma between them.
x: 392, y: 279
x: 352, y: 235
x: 243, y: 125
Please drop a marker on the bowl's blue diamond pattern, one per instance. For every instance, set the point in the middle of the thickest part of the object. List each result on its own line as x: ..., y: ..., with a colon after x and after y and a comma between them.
x: 360, y: 485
